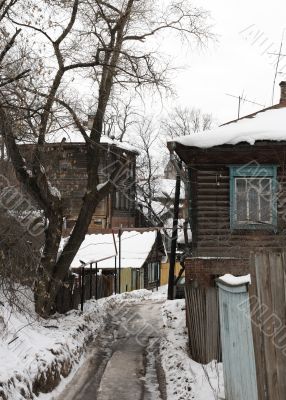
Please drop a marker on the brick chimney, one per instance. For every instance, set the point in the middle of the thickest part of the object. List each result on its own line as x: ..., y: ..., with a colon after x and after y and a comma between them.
x: 283, y: 92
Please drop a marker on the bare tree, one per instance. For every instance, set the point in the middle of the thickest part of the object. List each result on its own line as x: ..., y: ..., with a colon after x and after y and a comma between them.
x: 121, y: 116
x: 11, y: 68
x: 148, y: 165
x: 184, y: 121
x: 68, y: 42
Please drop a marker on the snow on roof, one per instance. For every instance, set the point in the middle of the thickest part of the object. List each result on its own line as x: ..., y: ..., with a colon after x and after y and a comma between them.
x: 232, y: 280
x: 135, y: 248
x: 181, y: 236
x: 72, y: 135
x: 166, y: 188
x: 269, y: 124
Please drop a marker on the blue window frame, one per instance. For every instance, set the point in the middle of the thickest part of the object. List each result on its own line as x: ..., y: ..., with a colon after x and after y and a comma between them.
x: 253, y: 196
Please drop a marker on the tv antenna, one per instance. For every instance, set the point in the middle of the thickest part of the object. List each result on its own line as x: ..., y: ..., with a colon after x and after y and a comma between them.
x: 279, y: 57
x: 242, y: 99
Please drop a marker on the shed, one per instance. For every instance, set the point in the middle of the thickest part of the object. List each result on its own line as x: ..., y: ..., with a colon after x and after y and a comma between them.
x: 132, y: 257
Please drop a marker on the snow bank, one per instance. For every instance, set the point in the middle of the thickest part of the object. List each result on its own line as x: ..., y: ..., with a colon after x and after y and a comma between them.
x: 266, y: 125
x: 185, y: 378
x: 36, y: 354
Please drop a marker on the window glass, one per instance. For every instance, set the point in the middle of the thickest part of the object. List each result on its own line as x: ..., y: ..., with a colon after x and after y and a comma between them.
x: 254, y: 200
x: 253, y: 197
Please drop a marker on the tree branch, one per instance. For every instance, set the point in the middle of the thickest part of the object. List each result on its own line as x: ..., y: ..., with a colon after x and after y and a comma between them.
x: 9, y: 45
x: 15, y: 78
x: 67, y: 30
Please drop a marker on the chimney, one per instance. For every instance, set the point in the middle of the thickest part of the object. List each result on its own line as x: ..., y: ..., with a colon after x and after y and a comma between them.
x: 283, y: 92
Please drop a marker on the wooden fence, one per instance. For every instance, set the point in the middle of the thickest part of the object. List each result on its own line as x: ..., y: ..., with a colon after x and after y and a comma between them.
x: 268, y: 315
x: 75, y: 291
x: 202, y: 314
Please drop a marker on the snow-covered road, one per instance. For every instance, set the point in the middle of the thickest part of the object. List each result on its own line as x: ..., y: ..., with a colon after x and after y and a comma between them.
x: 124, y: 360
x: 139, y: 351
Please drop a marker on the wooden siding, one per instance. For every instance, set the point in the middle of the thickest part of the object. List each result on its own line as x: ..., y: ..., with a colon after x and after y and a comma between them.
x: 210, y: 211
x: 66, y: 168
x: 268, y: 314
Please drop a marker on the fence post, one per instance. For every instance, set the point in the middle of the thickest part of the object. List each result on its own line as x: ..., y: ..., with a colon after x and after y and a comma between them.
x: 119, y: 261
x: 115, y: 275
x: 82, y: 288
x: 90, y: 282
x: 96, y: 282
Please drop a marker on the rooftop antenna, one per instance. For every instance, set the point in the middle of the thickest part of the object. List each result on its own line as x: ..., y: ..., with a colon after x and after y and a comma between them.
x: 279, y: 56
x: 242, y: 99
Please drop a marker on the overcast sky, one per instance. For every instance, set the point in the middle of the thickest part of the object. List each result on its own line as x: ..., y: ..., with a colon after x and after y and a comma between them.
x: 239, y: 62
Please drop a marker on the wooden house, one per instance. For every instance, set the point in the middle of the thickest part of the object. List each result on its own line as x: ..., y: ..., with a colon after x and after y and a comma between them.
x: 237, y: 191
x: 65, y: 162
x: 131, y: 257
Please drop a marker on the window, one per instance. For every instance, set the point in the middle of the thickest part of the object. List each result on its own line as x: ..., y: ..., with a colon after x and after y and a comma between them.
x: 153, y: 271
x: 253, y: 203
x: 122, y: 199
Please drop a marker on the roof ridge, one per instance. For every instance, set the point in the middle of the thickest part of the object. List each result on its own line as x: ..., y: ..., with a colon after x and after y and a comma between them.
x: 282, y: 104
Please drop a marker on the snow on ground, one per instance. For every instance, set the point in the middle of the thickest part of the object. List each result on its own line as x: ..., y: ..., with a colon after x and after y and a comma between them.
x: 185, y: 378
x: 38, y: 355
x: 35, y: 353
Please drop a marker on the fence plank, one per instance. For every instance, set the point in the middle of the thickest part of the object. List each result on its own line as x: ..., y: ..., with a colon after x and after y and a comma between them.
x: 268, y: 312
x: 278, y: 301
x: 256, y: 330
x: 69, y: 296
x: 265, y: 297
x: 202, y: 317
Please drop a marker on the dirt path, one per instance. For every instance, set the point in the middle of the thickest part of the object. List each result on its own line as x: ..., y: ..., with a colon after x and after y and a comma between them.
x: 124, y: 361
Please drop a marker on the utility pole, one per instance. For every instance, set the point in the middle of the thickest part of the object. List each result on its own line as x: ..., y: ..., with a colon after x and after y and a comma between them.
x: 174, y: 234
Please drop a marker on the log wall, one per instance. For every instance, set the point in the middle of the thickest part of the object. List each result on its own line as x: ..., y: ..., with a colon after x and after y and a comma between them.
x: 210, y: 203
